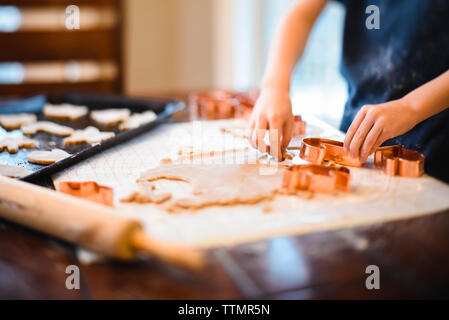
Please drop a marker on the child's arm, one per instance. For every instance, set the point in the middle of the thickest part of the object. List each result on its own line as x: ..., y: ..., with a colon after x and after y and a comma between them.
x: 273, y: 108
x: 375, y: 124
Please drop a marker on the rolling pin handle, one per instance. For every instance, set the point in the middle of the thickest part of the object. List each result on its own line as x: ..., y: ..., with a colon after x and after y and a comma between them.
x: 172, y: 253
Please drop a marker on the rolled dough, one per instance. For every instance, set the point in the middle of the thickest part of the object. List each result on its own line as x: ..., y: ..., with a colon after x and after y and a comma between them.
x: 220, y: 185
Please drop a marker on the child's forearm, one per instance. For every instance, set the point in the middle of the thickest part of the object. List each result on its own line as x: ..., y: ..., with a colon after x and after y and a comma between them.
x: 431, y: 98
x: 289, y: 42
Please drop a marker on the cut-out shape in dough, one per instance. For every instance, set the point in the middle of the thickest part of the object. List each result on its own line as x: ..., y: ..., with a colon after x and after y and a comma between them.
x: 15, y: 121
x: 110, y: 116
x: 221, y: 185
x: 138, y: 119
x: 12, y: 145
x: 13, y: 171
x: 89, y: 135
x: 47, y: 157
x: 237, y: 132
x: 65, y: 111
x: 48, y: 127
x: 147, y: 194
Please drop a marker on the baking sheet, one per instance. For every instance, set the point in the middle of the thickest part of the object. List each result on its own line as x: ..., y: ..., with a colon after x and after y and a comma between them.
x: 374, y: 197
x: 79, y: 152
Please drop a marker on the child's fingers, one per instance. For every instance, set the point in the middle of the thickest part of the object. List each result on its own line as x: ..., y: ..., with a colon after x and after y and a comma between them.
x: 275, y: 144
x: 249, y: 131
x: 360, y: 136
x: 249, y: 136
x: 287, y: 131
x: 353, y: 129
x: 370, y: 141
x: 261, y: 145
x: 252, y: 133
x: 275, y: 139
x: 377, y: 144
x: 259, y: 133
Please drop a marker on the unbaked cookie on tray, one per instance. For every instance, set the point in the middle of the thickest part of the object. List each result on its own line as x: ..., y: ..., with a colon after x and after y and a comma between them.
x: 47, y: 157
x: 48, y: 127
x: 12, y: 145
x: 15, y: 121
x: 138, y: 119
x: 110, y: 117
x: 65, y: 111
x: 89, y: 135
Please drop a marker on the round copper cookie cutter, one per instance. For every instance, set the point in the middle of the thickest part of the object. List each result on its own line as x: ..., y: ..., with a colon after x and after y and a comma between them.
x: 316, y: 178
x: 399, y: 161
x: 318, y: 150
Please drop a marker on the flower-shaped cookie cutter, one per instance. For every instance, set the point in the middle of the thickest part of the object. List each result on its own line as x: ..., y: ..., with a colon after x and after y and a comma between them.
x: 316, y: 178
x: 399, y: 161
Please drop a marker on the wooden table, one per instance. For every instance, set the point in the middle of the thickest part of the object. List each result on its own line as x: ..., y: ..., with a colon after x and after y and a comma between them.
x: 412, y: 255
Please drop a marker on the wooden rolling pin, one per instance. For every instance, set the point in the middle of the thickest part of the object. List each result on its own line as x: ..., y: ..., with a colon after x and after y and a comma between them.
x: 87, y: 224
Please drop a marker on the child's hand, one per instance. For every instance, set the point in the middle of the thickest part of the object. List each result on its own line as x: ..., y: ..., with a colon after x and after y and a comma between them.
x: 375, y: 124
x: 273, y: 111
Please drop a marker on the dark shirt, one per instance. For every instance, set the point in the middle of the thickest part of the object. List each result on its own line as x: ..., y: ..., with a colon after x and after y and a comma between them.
x: 410, y: 49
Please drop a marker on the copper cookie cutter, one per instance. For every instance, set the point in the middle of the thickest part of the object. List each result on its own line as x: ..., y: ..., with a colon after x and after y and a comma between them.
x: 316, y: 178
x: 399, y: 161
x: 222, y: 104
x: 89, y: 191
x: 299, y: 126
x: 318, y: 150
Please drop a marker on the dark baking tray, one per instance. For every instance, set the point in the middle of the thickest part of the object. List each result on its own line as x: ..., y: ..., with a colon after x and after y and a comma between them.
x: 163, y: 108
